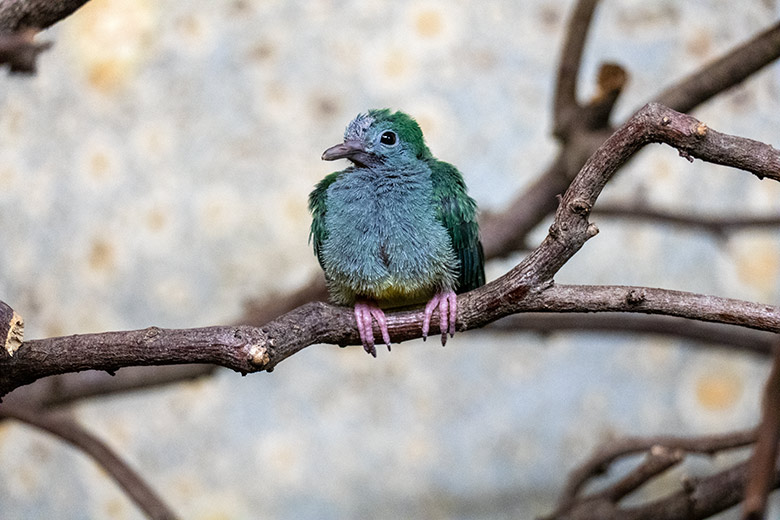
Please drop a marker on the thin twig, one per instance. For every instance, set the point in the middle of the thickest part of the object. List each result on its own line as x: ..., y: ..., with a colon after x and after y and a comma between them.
x: 706, y: 334
x: 718, y: 225
x: 658, y: 459
x: 721, y: 74
x: 66, y: 389
x: 70, y: 431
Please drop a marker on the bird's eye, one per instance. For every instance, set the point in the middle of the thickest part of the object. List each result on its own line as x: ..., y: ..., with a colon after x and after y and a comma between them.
x: 388, y: 138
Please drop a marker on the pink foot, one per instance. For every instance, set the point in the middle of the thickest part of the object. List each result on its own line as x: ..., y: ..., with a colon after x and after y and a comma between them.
x: 365, y: 310
x: 447, y: 302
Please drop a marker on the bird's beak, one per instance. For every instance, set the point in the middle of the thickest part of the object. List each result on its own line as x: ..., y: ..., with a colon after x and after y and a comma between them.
x: 347, y: 150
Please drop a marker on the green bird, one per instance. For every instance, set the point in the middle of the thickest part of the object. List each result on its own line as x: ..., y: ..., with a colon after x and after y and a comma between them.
x: 396, y: 228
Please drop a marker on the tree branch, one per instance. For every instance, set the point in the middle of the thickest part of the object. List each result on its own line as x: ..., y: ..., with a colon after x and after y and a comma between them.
x: 250, y: 349
x: 717, y: 225
x: 606, y: 298
x: 70, y: 431
x: 668, y: 450
x: 68, y: 388
x: 723, y: 73
x: 657, y: 460
x: 745, y: 340
x: 19, y: 51
x: 699, y: 498
x: 565, y: 105
x: 762, y: 465
x: 233, y: 347
x: 16, y: 15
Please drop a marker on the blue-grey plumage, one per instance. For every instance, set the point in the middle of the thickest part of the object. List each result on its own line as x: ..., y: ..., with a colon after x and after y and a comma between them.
x: 396, y: 228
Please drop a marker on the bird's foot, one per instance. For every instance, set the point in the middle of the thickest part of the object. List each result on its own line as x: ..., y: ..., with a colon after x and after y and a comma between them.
x: 365, y: 311
x: 447, y: 302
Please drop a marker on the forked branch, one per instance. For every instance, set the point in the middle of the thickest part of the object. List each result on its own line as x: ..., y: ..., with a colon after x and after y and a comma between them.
x: 527, y: 287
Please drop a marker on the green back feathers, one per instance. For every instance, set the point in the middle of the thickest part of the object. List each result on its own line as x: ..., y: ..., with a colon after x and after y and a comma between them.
x: 458, y: 213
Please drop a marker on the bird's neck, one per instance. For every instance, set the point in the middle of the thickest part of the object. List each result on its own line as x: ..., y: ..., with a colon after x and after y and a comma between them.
x: 407, y: 171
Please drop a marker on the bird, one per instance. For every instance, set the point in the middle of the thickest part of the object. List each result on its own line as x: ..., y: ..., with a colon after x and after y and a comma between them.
x: 396, y: 228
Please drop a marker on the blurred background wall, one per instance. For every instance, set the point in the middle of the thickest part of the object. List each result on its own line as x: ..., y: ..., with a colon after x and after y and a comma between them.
x: 155, y: 172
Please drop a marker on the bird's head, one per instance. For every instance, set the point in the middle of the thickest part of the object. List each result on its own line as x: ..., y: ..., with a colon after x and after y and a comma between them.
x: 380, y: 137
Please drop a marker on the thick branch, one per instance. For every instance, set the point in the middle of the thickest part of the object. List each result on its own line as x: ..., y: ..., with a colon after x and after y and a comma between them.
x: 653, y: 123
x: 71, y: 432
x: 598, y: 298
x: 250, y: 349
x: 228, y: 346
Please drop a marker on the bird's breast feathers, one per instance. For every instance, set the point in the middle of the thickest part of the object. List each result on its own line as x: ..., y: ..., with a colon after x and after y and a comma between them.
x: 384, y: 242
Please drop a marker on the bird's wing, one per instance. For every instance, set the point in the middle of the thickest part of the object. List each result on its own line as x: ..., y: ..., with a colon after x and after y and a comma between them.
x: 318, y: 208
x: 458, y: 213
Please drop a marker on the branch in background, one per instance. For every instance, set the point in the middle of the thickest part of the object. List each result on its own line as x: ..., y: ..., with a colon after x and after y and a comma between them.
x: 658, y: 459
x: 20, y: 21
x: 68, y: 388
x: 724, y: 73
x: 762, y: 466
x: 565, y: 105
x: 699, y: 498
x: 17, y: 15
x: 70, y: 431
x: 19, y: 51
x: 598, y: 463
x: 663, y: 452
x: 611, y: 80
x: 718, y: 225
x: 256, y: 312
x: 746, y: 340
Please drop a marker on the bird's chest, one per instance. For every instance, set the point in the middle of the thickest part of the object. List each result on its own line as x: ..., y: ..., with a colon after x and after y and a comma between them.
x: 384, y: 232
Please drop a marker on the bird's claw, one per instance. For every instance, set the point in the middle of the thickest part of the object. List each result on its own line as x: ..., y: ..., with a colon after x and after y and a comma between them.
x: 447, y: 302
x: 365, y: 312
